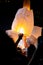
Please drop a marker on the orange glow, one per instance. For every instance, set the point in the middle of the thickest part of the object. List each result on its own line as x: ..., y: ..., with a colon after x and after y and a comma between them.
x: 23, y: 29
x: 26, y: 4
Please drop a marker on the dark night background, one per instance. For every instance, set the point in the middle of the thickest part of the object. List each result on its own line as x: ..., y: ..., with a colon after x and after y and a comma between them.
x: 8, y: 9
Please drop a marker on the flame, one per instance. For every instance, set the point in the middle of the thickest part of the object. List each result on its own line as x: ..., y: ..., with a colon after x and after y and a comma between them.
x: 21, y: 30
x: 26, y: 4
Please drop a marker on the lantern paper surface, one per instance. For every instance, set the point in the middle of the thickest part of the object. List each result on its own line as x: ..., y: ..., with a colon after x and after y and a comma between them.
x: 36, y: 31
x: 23, y: 21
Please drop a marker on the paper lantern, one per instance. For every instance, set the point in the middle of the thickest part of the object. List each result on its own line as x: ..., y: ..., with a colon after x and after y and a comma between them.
x: 23, y: 21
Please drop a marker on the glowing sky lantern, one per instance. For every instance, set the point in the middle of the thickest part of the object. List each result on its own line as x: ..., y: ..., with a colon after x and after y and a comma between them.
x: 23, y: 21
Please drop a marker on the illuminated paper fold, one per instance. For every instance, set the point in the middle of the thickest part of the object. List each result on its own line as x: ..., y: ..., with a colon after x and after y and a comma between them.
x: 36, y: 31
